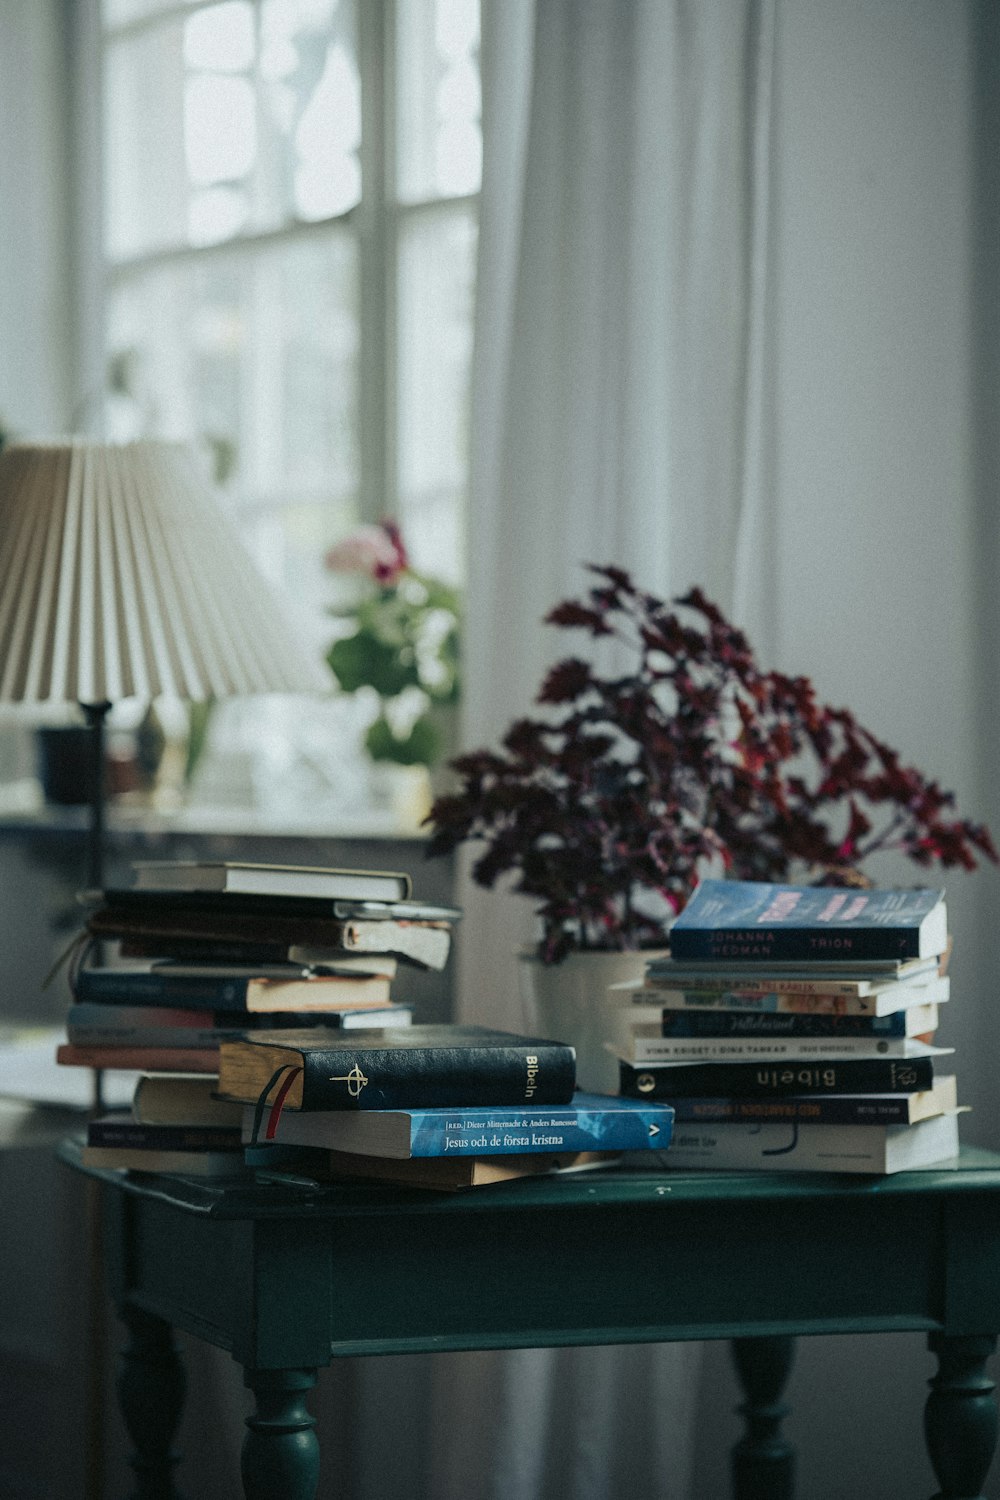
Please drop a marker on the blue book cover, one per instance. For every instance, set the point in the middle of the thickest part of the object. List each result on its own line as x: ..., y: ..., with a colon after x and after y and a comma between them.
x: 592, y: 1122
x: 754, y: 921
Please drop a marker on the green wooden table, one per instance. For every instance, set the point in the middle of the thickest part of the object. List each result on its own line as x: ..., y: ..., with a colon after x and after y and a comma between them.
x: 288, y: 1277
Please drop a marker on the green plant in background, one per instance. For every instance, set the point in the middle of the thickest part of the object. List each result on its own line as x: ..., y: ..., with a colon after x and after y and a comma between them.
x: 401, y: 642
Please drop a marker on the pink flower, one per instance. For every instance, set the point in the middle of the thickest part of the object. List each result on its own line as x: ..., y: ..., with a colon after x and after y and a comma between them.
x: 376, y: 551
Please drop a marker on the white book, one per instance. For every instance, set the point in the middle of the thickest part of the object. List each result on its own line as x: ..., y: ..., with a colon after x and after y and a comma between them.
x: 640, y: 1047
x: 876, y: 1149
x: 249, y: 879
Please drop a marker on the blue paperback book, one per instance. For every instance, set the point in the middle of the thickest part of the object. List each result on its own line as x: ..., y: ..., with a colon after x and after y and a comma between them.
x: 592, y: 1122
x: 755, y: 921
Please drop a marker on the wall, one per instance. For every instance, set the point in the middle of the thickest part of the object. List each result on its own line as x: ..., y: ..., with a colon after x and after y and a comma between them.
x: 35, y: 326
x: 885, y: 477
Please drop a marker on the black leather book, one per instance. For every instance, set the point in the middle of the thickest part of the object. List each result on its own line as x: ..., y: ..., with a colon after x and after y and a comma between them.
x: 417, y: 1066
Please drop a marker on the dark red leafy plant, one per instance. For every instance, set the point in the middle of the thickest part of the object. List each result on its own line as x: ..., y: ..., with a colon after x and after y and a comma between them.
x: 608, y: 805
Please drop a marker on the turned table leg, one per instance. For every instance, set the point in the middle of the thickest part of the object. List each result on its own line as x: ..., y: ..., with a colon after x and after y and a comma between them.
x: 763, y: 1460
x: 960, y: 1419
x: 280, y: 1450
x: 151, y: 1385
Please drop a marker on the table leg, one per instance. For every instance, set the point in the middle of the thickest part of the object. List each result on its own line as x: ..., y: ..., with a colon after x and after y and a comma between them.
x: 960, y: 1418
x: 763, y: 1460
x: 151, y: 1386
x: 280, y: 1450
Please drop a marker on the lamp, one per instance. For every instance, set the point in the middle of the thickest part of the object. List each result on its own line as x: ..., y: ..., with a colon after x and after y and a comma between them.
x: 120, y: 577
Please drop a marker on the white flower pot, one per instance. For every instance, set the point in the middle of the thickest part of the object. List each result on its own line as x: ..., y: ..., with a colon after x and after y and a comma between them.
x: 573, y: 1002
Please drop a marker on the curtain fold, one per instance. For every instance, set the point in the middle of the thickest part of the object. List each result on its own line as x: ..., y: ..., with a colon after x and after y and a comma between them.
x: 620, y: 414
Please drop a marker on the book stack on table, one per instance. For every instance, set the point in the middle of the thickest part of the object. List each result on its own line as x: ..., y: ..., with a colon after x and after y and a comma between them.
x: 444, y: 1107
x: 255, y: 1002
x: 792, y: 1028
x: 194, y: 954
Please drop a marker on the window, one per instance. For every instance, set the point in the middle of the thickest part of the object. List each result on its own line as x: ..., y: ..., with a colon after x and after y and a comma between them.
x: 289, y: 241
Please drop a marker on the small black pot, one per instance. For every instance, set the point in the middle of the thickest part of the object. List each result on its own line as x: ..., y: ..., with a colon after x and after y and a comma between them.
x: 64, y: 755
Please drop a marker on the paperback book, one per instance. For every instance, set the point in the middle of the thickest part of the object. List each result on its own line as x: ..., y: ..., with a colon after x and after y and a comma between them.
x: 640, y: 1047
x: 773, y: 1147
x: 756, y: 920
x: 592, y: 1122
x: 916, y: 1020
x: 796, y: 977
x: 826, y: 1109
x: 768, y: 996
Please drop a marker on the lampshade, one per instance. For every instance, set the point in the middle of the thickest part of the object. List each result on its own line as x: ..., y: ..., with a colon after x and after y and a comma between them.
x: 121, y: 576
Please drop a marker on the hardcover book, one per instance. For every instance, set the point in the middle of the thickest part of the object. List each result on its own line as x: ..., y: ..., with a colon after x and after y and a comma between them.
x: 592, y: 1122
x: 917, y: 1020
x: 207, y: 926
x: 759, y: 921
x: 91, y: 1025
x: 242, y: 878
x: 873, y: 1149
x: 875, y: 1075
x: 114, y: 1130
x: 182, y: 1099
x: 827, y: 1109
x: 225, y: 991
x: 178, y: 1163
x: 415, y: 1066
x: 140, y: 1059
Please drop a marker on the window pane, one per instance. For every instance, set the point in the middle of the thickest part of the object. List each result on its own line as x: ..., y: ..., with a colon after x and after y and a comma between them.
x: 229, y: 119
x: 436, y: 281
x: 119, y: 12
x: 439, y: 140
x: 254, y: 353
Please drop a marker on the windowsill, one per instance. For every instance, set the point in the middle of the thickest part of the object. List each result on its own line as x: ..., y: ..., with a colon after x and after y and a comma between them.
x: 22, y: 806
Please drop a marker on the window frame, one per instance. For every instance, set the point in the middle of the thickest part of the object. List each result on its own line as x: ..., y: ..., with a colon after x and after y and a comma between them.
x: 377, y: 224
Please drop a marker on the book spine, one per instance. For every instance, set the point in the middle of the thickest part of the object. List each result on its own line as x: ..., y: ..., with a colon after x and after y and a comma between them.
x: 134, y: 1135
x: 108, y: 987
x: 878, y: 1004
x: 768, y: 1002
x: 405, y: 1078
x: 870, y: 1075
x: 831, y: 1109
x: 651, y: 1049
x: 722, y: 992
x: 697, y: 1023
x: 806, y: 944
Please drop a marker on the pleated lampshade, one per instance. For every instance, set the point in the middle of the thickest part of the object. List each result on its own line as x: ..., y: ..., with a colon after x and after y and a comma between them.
x: 121, y: 576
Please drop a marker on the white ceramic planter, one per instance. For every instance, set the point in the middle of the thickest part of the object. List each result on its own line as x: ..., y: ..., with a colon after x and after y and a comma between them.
x: 573, y: 1002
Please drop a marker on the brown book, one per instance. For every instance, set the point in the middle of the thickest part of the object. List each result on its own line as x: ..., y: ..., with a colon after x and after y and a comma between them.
x: 141, y: 1059
x: 176, y: 1099
x: 446, y: 1174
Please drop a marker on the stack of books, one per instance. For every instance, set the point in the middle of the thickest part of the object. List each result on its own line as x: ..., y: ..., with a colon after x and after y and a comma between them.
x: 442, y: 1107
x: 194, y: 954
x: 255, y: 1002
x: 793, y: 1028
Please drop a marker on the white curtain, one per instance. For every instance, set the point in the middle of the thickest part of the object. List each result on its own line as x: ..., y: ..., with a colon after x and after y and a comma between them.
x: 619, y: 415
